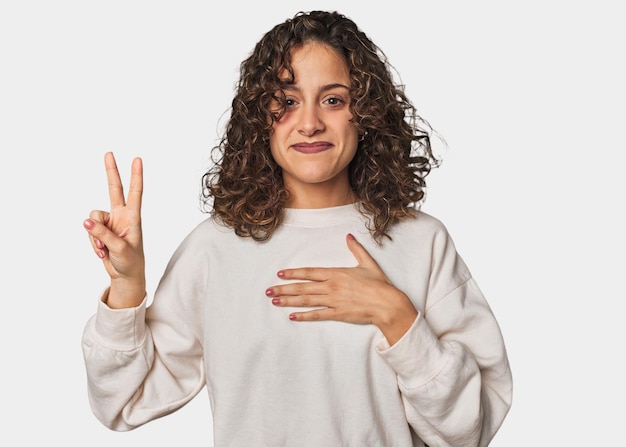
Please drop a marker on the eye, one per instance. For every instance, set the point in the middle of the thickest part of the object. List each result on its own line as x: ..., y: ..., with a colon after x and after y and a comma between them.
x: 335, y: 101
x: 290, y: 102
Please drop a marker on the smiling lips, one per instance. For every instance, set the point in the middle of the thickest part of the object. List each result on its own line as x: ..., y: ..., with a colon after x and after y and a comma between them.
x: 311, y: 148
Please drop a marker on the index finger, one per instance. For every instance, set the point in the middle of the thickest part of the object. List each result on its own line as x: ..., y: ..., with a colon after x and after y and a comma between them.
x: 116, y: 190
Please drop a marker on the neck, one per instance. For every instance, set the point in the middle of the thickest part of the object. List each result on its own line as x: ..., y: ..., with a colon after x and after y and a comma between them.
x: 320, y: 196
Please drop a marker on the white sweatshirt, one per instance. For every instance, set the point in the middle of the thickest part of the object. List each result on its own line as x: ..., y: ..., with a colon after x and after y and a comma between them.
x: 275, y: 382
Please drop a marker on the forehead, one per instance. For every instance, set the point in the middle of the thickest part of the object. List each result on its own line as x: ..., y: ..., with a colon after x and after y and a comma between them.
x: 317, y: 61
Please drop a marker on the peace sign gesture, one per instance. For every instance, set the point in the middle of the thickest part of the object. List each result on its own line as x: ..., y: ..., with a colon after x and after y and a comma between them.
x: 116, y: 236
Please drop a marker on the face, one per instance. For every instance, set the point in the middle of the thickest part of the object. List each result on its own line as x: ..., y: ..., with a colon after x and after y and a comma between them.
x: 314, y: 142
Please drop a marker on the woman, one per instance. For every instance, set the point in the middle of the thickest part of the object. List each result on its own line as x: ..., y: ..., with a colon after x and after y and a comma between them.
x: 317, y: 304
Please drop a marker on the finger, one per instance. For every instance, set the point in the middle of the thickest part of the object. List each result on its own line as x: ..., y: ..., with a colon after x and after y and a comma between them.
x: 136, y: 184
x: 360, y: 253
x: 116, y: 191
x: 100, y: 216
x: 96, y: 244
x: 315, y: 315
x: 305, y: 273
x: 97, y: 216
x: 300, y: 301
x: 100, y: 232
x: 297, y: 288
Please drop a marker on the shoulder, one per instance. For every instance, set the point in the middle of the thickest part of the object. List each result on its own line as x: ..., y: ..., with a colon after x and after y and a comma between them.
x: 424, y: 233
x: 207, y: 236
x: 210, y: 228
x: 420, y: 224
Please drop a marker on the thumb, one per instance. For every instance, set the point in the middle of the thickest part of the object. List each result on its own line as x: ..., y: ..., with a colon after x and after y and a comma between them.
x: 360, y: 253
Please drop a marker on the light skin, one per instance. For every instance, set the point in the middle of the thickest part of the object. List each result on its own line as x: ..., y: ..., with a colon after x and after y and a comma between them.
x: 361, y: 295
x: 116, y: 237
x: 319, y: 113
x: 314, y: 143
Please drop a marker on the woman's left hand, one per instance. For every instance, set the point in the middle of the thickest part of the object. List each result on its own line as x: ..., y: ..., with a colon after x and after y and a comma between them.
x: 361, y: 295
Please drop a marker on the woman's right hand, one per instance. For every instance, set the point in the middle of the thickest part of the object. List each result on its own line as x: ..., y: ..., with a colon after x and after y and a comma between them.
x: 116, y: 237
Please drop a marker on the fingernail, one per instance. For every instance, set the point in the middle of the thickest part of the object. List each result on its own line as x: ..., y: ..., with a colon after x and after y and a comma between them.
x: 88, y: 223
x: 351, y: 237
x: 100, y: 254
x: 269, y: 292
x: 276, y: 301
x: 99, y: 243
x: 281, y: 274
x: 293, y: 317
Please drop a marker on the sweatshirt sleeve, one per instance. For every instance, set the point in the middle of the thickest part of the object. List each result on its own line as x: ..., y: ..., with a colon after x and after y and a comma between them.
x: 143, y: 363
x: 451, y: 365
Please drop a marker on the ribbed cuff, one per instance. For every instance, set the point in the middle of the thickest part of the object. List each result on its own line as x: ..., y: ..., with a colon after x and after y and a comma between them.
x: 122, y: 329
x: 417, y: 357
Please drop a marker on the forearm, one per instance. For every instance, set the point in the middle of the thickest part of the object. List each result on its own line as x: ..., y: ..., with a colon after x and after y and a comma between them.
x: 453, y: 374
x: 125, y: 367
x: 118, y: 353
x: 446, y: 409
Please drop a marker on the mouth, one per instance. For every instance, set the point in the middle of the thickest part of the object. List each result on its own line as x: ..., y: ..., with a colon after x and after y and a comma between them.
x: 312, y: 148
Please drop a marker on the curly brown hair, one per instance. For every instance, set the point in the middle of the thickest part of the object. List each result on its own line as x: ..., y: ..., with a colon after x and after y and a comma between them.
x: 244, y: 187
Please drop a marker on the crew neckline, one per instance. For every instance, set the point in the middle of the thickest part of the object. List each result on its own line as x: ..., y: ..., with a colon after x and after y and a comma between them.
x: 316, y: 217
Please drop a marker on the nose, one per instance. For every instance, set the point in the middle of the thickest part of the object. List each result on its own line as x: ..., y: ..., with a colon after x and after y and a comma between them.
x: 311, y: 121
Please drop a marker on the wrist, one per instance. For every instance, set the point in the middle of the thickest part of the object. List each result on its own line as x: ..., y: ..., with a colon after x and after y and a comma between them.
x: 398, y: 319
x: 124, y: 293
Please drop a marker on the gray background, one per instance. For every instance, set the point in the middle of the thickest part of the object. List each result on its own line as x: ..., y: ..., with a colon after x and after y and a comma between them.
x: 528, y: 95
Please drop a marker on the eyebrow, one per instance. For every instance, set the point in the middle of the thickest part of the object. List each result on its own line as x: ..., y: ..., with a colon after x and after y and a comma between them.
x: 324, y: 88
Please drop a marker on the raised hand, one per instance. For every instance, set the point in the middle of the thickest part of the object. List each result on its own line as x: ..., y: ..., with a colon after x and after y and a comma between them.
x: 116, y: 236
x: 361, y: 295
